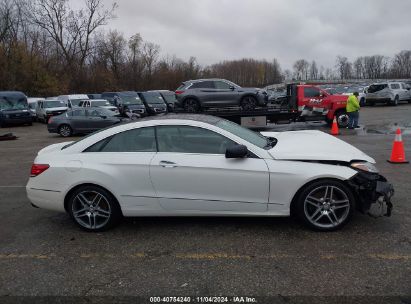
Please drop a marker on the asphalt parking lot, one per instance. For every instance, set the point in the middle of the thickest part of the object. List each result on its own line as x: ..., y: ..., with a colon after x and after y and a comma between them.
x: 43, y: 253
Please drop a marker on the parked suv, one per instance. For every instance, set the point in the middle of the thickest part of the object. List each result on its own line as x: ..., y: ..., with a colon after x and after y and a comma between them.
x: 154, y: 102
x: 193, y: 95
x: 388, y: 92
x: 126, y: 101
x: 14, y: 108
x: 47, y: 108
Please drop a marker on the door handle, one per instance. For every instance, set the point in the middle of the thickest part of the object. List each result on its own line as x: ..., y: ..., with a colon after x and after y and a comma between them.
x: 167, y: 164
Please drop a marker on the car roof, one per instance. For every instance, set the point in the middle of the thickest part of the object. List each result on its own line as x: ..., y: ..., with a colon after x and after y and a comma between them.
x: 12, y: 94
x: 205, y: 79
x: 195, y: 117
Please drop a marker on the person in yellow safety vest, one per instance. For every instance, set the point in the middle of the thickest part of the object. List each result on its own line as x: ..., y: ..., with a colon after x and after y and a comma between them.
x: 353, y: 108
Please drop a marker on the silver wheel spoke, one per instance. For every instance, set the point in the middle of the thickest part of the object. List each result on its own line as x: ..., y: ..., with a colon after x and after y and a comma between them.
x: 329, y: 217
x: 82, y: 200
x: 75, y: 213
x: 97, y: 199
x: 318, y: 217
x: 103, y: 211
x: 335, y: 216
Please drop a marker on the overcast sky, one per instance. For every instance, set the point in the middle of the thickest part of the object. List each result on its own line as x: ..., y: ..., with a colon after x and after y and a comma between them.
x: 215, y: 30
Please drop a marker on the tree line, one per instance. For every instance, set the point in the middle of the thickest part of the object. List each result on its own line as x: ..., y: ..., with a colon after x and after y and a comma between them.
x: 48, y: 48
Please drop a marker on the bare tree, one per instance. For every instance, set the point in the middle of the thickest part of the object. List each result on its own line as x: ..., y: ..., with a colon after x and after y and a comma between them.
x: 313, y: 70
x: 70, y: 29
x: 301, y: 69
x: 344, y: 67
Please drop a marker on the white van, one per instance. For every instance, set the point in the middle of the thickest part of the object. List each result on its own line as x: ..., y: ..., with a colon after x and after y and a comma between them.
x: 73, y: 101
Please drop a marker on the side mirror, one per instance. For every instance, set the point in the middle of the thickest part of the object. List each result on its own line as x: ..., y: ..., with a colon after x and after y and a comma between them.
x: 237, y: 151
x: 232, y: 88
x: 103, y: 116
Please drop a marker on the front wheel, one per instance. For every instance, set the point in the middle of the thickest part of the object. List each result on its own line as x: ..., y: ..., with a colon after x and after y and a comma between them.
x: 325, y: 205
x: 94, y: 209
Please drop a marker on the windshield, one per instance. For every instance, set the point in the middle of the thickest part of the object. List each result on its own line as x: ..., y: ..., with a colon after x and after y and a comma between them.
x: 127, y: 100
x: 170, y: 97
x: 153, y: 97
x: 75, y: 102
x: 246, y: 134
x: 100, y: 103
x: 13, y: 103
x: 376, y: 87
x: 53, y: 104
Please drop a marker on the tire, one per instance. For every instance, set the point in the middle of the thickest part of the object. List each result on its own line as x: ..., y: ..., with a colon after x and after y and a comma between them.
x: 65, y: 130
x: 325, y: 205
x: 93, y: 208
x: 394, y: 103
x: 191, y: 105
x: 342, y: 119
x: 248, y: 103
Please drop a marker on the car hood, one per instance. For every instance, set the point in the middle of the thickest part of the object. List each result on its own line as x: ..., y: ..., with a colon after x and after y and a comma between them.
x: 313, y: 145
x: 54, y: 147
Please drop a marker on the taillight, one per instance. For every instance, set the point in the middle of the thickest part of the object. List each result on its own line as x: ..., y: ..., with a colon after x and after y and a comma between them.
x: 37, y: 169
x: 50, y: 119
x: 179, y: 92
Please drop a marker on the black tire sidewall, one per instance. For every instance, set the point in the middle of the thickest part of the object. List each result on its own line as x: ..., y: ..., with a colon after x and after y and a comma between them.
x: 299, y: 207
x: 116, y: 213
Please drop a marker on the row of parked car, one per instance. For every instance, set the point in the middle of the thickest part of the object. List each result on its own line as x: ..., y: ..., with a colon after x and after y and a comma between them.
x: 389, y: 93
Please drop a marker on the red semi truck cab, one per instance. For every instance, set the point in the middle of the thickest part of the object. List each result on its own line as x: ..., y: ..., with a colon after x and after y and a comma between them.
x: 315, y: 103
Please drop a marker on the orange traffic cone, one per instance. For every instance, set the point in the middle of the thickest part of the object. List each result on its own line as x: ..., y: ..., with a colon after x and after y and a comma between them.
x: 398, y: 154
x: 334, y: 128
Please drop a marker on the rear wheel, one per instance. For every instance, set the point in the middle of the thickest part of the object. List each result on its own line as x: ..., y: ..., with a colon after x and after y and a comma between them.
x: 395, y: 101
x: 94, y: 209
x: 65, y: 130
x: 191, y: 105
x: 325, y: 205
x: 248, y: 103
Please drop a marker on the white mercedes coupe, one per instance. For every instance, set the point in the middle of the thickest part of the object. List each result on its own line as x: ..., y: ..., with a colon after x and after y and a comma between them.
x: 199, y: 165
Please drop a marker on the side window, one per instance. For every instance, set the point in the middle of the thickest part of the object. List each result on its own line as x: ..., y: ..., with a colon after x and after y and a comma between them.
x: 395, y: 86
x: 78, y: 112
x: 136, y: 140
x: 203, y: 85
x: 93, y: 113
x: 311, y: 92
x: 185, y: 139
x: 403, y: 86
x: 221, y: 85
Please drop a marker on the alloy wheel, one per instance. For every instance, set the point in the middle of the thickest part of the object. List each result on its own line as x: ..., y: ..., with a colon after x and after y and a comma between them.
x: 248, y: 103
x: 327, y: 206
x: 91, y: 210
x: 343, y: 120
x: 191, y: 106
x: 65, y: 131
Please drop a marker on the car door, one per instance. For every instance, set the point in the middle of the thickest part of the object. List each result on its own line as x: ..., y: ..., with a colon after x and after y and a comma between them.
x: 96, y: 119
x: 125, y: 158
x: 226, y: 93
x: 312, y: 101
x: 206, y: 93
x: 191, y: 174
x: 79, y: 120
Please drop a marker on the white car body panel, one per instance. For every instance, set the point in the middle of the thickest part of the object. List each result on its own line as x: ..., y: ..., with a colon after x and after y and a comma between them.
x: 304, y: 145
x: 198, y: 184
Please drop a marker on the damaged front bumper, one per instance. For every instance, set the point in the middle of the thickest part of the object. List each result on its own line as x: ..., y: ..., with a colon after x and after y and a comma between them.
x: 373, y: 193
